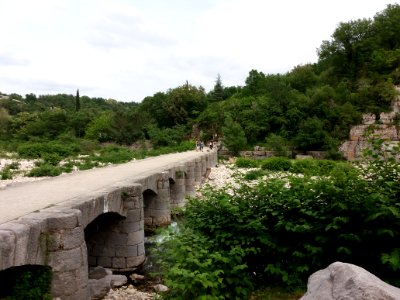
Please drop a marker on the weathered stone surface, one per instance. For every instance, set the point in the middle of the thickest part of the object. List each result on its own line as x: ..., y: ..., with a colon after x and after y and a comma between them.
x: 99, y: 288
x: 346, y: 281
x: 368, y: 119
x: 98, y: 272
x: 117, y: 280
x: 160, y: 288
x: 66, y: 260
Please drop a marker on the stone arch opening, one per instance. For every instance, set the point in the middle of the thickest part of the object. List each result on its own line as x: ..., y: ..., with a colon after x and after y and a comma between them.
x: 104, y: 240
x: 178, y: 189
x: 157, y: 209
x: 23, y: 281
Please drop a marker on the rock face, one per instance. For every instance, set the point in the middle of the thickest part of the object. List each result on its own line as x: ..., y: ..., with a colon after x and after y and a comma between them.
x: 384, y: 128
x: 348, y: 282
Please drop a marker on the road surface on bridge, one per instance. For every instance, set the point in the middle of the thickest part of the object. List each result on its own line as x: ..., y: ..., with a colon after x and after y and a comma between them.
x: 21, y: 199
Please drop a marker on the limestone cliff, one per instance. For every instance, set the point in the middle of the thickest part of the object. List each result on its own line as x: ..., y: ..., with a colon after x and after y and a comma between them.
x: 386, y: 127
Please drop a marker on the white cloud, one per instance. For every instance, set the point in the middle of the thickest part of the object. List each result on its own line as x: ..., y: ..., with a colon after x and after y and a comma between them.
x: 129, y: 49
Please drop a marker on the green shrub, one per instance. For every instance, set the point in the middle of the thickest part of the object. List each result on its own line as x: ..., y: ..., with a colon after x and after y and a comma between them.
x: 51, y: 158
x: 279, y: 232
x: 45, y: 170
x: 276, y: 163
x: 6, y: 172
x: 242, y: 162
x: 303, y: 166
x: 253, y: 174
x: 40, y: 149
x: 114, y: 155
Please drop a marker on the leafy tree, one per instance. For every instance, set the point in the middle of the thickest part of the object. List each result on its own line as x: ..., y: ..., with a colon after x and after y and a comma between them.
x: 101, y: 128
x: 233, y: 135
x: 311, y: 135
x: 4, y: 121
x: 184, y: 104
x: 302, y: 77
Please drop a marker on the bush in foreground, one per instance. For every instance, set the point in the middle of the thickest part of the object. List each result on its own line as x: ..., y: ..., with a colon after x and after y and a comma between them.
x: 279, y: 232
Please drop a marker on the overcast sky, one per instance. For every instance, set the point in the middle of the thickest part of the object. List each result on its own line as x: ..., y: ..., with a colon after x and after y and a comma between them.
x: 129, y: 49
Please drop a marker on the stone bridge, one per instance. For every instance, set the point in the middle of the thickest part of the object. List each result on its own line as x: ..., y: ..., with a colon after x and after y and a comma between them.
x: 94, y: 217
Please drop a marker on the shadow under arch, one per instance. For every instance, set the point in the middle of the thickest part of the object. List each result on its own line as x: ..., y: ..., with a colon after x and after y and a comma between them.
x: 22, y: 282
x: 103, y: 239
x: 157, y: 208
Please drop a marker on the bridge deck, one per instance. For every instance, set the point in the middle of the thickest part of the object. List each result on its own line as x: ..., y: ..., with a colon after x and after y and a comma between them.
x: 22, y: 199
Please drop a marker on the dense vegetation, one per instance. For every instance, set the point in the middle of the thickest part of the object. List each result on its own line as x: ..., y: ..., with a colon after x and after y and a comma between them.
x: 309, y: 108
x: 275, y: 229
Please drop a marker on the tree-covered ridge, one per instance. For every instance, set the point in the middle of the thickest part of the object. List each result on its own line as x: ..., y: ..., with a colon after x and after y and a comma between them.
x: 312, y: 107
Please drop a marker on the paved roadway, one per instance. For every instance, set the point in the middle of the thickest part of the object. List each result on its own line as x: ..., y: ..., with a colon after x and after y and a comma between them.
x: 21, y: 199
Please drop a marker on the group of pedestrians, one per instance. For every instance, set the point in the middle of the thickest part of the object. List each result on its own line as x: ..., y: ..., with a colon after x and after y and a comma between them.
x: 200, y: 145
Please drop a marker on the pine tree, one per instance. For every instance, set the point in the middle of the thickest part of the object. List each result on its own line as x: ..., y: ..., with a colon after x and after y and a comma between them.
x: 218, y: 91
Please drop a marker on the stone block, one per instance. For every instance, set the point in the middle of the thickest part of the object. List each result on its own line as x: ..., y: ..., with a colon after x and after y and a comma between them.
x: 82, y: 293
x: 66, y: 260
x: 7, y: 249
x: 104, y: 250
x: 65, y: 283
x: 66, y: 239
x: 67, y: 220
x: 129, y: 227
x: 141, y: 249
x: 21, y: 233
x: 136, y: 237
x: 134, y: 215
x: 117, y: 239
x: 104, y: 262
x: 35, y: 247
x: 126, y: 251
x: 132, y: 262
x: 118, y: 262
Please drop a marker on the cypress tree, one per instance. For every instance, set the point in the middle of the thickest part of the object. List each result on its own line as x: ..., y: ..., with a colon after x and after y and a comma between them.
x: 77, y: 101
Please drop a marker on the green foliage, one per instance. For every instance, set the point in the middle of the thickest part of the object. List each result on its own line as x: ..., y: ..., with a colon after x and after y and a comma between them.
x: 253, y: 174
x: 234, y: 137
x: 45, y: 169
x: 281, y: 230
x: 26, y: 283
x: 278, y: 144
x: 242, y: 162
x: 39, y: 149
x: 7, y: 171
x: 166, y: 136
x: 314, y: 167
x: 276, y: 163
x: 114, y: 154
x: 193, y: 268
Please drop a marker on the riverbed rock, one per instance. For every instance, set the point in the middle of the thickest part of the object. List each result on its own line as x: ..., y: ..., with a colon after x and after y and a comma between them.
x: 347, y: 281
x: 117, y: 280
x: 99, y: 272
x: 160, y: 288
